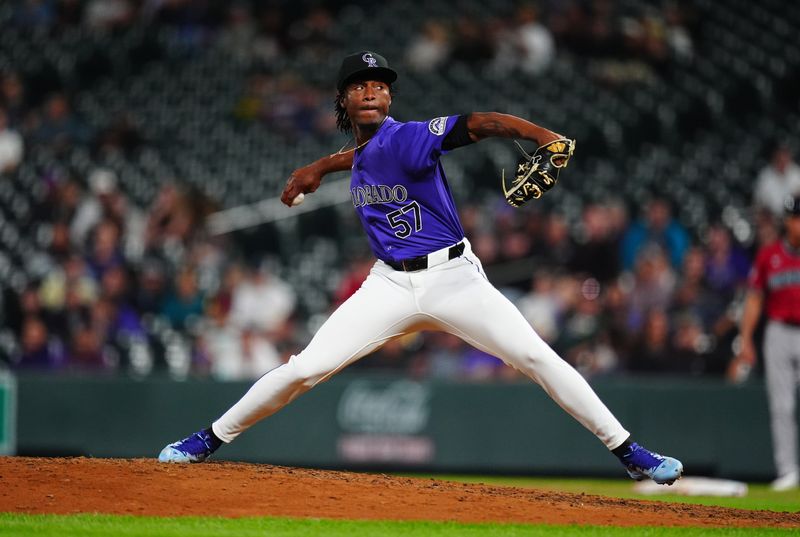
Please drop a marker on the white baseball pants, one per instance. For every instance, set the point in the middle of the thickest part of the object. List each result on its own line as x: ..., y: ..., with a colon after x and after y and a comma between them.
x: 454, y: 297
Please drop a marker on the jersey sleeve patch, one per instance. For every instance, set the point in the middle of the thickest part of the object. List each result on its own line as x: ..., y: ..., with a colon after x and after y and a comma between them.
x: 438, y: 125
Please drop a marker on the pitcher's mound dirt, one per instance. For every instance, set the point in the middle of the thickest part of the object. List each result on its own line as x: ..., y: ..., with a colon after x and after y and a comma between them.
x: 145, y: 487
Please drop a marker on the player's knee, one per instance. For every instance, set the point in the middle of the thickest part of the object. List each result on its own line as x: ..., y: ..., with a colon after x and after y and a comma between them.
x: 303, y: 374
x: 536, y: 360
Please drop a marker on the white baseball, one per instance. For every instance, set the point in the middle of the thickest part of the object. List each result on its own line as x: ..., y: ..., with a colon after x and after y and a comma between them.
x: 298, y: 199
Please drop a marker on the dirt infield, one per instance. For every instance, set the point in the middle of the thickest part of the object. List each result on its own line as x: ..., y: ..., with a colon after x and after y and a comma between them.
x: 145, y: 487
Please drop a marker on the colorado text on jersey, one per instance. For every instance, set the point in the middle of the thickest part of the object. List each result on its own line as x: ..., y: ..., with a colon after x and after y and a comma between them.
x: 372, y: 194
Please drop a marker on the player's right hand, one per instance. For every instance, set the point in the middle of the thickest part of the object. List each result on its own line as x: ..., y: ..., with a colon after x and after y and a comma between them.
x: 740, y: 367
x: 747, y: 354
x: 302, y: 180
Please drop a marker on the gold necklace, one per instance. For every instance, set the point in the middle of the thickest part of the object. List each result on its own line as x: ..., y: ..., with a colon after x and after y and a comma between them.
x: 362, y: 144
x: 356, y: 148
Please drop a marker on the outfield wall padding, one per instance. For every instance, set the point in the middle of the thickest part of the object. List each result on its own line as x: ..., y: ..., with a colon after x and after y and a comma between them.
x: 384, y: 422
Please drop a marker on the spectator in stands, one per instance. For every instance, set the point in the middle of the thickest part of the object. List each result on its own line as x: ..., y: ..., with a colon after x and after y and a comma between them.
x: 678, y: 36
x: 430, y: 48
x: 184, y: 303
x: 60, y: 247
x: 583, y: 337
x: 251, y: 104
x: 656, y: 226
x: 263, y: 302
x: 220, y: 303
x: 171, y: 222
x: 37, y: 349
x: 116, y: 323
x: 314, y: 36
x: 61, y: 202
x: 294, y: 108
x: 651, y: 351
x: 515, y: 244
x: 570, y: 24
x: 653, y: 286
x: 540, y: 306
x: 103, y: 201
x: 13, y: 99
x: 692, y: 293
x: 250, y: 356
x: 11, y: 145
x: 443, y: 356
x: 114, y: 287
x: 87, y: 351
x: 23, y: 305
x: 767, y: 230
x: 598, y: 243
x: 777, y: 181
x: 557, y: 246
x: 120, y: 135
x: 108, y: 15
x: 89, y: 211
x: 59, y: 127
x: 237, y: 37
x: 690, y: 347
x: 105, y: 249
x: 472, y: 43
x: 615, y: 317
x: 486, y: 246
x: 527, y: 46
x: 151, y: 288
x: 270, y: 43
x: 71, y: 276
x: 727, y: 264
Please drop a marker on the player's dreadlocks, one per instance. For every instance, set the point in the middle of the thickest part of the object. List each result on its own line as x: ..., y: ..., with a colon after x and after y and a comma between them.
x: 342, y: 121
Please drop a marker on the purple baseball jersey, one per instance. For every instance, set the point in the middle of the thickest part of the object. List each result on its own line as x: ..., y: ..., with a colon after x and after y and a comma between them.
x: 400, y: 192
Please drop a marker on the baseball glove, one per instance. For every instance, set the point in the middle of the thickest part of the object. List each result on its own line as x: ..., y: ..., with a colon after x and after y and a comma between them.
x: 537, y: 173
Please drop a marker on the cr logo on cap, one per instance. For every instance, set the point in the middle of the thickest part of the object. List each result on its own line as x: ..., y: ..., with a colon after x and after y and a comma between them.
x: 369, y: 60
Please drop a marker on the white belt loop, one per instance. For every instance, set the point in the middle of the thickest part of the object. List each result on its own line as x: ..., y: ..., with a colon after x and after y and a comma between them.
x: 439, y: 256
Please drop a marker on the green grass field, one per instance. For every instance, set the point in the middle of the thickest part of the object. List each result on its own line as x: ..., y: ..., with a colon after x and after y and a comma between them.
x: 127, y: 526
x: 759, y: 497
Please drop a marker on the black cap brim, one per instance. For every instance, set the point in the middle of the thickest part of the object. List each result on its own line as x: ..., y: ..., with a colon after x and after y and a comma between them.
x: 382, y: 74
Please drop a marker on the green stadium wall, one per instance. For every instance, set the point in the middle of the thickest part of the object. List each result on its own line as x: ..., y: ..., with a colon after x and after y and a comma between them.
x: 393, y: 423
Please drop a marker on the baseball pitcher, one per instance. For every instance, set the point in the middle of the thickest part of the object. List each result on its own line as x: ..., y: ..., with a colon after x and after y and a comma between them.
x: 426, y: 276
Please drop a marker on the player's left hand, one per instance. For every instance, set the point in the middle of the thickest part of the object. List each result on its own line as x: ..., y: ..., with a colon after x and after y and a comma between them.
x: 538, y: 173
x: 301, y: 181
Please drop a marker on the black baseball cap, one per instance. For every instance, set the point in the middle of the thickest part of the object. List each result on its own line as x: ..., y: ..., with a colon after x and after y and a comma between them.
x: 364, y: 63
x: 791, y: 207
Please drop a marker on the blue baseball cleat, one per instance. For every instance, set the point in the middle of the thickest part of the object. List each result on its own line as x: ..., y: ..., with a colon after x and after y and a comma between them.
x: 195, y: 448
x: 642, y: 464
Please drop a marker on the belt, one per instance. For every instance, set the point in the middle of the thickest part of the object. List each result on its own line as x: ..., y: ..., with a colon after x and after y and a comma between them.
x: 431, y: 260
x: 789, y: 322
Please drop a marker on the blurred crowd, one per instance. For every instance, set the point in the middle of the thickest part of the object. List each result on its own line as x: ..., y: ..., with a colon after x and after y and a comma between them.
x: 118, y: 287
x: 521, y: 39
x: 623, y: 46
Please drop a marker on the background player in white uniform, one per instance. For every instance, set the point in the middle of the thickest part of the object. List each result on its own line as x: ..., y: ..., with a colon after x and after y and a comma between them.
x: 426, y: 275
